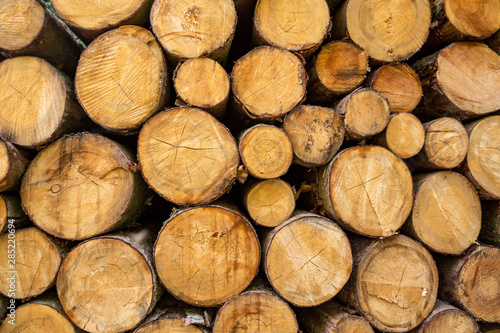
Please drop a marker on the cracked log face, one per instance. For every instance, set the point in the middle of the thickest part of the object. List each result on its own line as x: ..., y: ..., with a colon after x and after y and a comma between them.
x: 81, y: 186
x: 194, y: 28
x: 34, y: 101
x: 316, y: 133
x: 446, y: 214
x: 106, y: 285
x: 474, y: 18
x: 297, y: 25
x: 266, y: 151
x: 483, y: 156
x: 121, y: 79
x: 307, y: 259
x: 207, y: 255
x: 35, y: 317
x: 445, y: 146
x: 368, y: 190
x: 268, y: 82
x: 90, y: 18
x: 187, y: 156
x: 36, y: 263
x: 256, y: 311
x: 394, y: 285
x: 20, y: 23
x: 473, y: 281
x: 388, y: 30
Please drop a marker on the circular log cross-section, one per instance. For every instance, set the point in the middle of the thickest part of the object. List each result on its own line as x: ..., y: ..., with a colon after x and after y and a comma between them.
x: 36, y: 317
x: 187, y: 156
x: 339, y: 68
x: 266, y: 151
x: 202, y: 83
x: 331, y: 317
x: 91, y: 18
x: 11, y: 213
x: 387, y: 30
x: 20, y: 23
x: 445, y: 146
x: 472, y: 281
x: 35, y: 103
x: 307, y: 259
x: 194, y: 28
x: 35, y: 263
x: 106, y: 285
x: 269, y: 202
x: 483, y: 156
x: 296, y: 26
x: 404, y: 135
x: 446, y: 214
x: 316, y: 133
x: 366, y: 113
x: 207, y: 255
x: 368, y: 190
x: 256, y: 311
x: 447, y: 318
x: 461, y: 81
x: 395, y: 283
x: 121, y: 79
x: 267, y: 83
x: 399, y: 83
x: 80, y: 186
x: 13, y: 163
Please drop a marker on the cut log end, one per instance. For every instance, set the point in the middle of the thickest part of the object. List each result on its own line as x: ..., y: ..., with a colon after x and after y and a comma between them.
x: 388, y: 30
x: 256, y: 311
x: 483, y: 156
x: 81, y: 186
x: 266, y: 151
x: 404, y: 135
x: 269, y: 202
x: 307, y: 259
x: 190, y: 29
x: 207, y: 255
x: 296, y: 26
x: 105, y: 284
x: 121, y: 79
x: 203, y: 83
x: 399, y: 83
x: 350, y: 181
x: 316, y: 134
x: 475, y: 19
x: 13, y: 163
x: 268, y: 82
x: 366, y: 113
x: 35, y: 262
x: 38, y: 318
x: 170, y: 322
x: 20, y: 23
x: 446, y: 214
x: 187, y: 156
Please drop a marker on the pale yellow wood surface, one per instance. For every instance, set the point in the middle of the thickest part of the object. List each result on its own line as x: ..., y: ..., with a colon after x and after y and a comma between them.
x: 20, y: 22
x: 38, y: 318
x: 404, y: 135
x: 474, y: 18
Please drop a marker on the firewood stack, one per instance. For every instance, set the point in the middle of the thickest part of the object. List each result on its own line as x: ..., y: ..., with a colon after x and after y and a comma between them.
x: 249, y: 166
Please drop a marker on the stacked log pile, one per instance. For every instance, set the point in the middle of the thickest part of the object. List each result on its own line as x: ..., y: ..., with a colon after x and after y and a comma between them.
x: 249, y: 166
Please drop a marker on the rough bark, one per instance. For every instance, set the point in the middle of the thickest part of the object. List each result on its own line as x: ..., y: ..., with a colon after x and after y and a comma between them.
x: 316, y: 134
x: 394, y: 282
x: 207, y: 255
x: 81, y: 186
x: 108, y: 283
x: 187, y: 156
x: 445, y: 146
x: 11, y: 213
x: 472, y: 281
x: 122, y: 79
x: 194, y: 28
x: 315, y: 268
x: 44, y: 95
x: 368, y: 190
x: 490, y: 226
x: 383, y: 28
x: 446, y: 214
x: 202, y: 83
x: 27, y: 28
x: 13, y: 163
x: 296, y: 26
x: 175, y: 320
